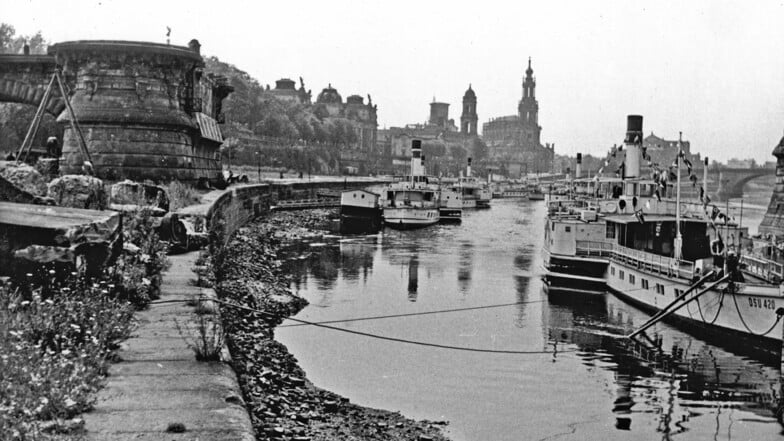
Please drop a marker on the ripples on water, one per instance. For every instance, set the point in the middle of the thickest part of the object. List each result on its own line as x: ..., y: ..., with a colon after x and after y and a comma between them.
x: 591, y: 388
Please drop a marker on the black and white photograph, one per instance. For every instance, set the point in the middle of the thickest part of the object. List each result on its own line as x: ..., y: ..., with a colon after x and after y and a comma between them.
x: 408, y: 221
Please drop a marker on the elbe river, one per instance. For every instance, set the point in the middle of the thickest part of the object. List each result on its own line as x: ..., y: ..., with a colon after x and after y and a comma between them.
x: 585, y: 386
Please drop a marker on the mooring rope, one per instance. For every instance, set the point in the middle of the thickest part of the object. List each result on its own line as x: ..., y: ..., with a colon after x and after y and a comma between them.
x: 411, y: 314
x: 737, y: 308
x: 721, y: 304
x: 394, y: 339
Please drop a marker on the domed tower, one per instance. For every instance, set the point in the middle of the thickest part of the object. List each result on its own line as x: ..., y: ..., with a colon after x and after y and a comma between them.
x: 529, y: 109
x: 330, y: 100
x: 773, y: 222
x: 469, y: 118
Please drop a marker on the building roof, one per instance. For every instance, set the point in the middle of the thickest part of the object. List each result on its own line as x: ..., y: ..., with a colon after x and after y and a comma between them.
x: 329, y: 96
x: 469, y: 93
x: 284, y: 83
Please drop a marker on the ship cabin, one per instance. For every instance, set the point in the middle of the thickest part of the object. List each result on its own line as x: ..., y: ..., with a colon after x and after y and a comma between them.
x: 648, y: 242
x: 406, y: 196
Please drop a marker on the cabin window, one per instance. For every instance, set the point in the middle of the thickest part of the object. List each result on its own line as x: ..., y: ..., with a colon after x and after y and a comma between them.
x: 612, y: 270
x: 609, y: 231
x: 659, y: 289
x: 568, y: 229
x: 621, y: 274
x: 631, y: 279
x: 644, y: 283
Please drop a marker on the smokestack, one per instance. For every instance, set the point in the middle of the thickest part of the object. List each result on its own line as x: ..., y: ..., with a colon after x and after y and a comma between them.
x: 468, y: 169
x: 416, y: 158
x: 705, y: 176
x: 578, y: 169
x: 633, y: 145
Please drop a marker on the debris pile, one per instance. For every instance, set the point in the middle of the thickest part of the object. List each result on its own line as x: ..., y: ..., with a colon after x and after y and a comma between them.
x: 283, y: 404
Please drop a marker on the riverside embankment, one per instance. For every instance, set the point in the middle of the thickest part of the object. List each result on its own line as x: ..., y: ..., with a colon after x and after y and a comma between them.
x: 282, y: 402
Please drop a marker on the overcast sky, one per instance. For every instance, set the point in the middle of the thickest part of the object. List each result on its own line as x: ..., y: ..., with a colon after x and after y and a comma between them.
x: 714, y: 70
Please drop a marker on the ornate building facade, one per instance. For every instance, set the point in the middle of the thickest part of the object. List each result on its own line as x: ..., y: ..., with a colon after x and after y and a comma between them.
x: 446, y: 146
x: 514, y: 141
x: 329, y: 105
x: 286, y: 91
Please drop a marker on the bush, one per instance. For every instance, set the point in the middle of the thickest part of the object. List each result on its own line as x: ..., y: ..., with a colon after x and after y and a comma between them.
x: 53, y: 350
x: 137, y: 271
x: 181, y: 195
x: 57, y: 330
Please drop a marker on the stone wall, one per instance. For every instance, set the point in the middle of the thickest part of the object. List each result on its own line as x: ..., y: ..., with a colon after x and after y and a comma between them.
x: 239, y: 205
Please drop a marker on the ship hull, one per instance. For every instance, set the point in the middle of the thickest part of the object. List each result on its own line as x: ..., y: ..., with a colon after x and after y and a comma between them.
x: 410, y: 218
x: 749, y: 312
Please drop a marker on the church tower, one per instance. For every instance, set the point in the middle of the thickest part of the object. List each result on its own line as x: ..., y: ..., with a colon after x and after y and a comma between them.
x: 528, y: 109
x: 469, y: 118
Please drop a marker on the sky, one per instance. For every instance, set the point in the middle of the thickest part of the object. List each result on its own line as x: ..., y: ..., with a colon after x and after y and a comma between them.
x: 713, y: 70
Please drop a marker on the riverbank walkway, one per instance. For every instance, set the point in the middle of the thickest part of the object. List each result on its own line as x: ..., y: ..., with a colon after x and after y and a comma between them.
x: 157, y: 389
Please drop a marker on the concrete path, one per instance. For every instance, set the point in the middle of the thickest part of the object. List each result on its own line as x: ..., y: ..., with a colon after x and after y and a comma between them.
x: 158, y: 383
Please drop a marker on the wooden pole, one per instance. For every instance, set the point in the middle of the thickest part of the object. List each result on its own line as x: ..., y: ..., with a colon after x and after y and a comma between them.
x: 72, y: 119
x: 36, y: 123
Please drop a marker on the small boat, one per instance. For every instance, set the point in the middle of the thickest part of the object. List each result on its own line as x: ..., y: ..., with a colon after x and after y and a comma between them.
x: 360, y: 212
x: 476, y: 193
x: 450, y: 206
x: 535, y: 193
x: 413, y: 203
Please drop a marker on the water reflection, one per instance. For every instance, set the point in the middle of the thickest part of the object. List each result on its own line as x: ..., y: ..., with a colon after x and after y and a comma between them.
x: 593, y: 387
x: 326, y: 262
x: 465, y: 264
x: 413, y: 278
x: 695, y: 378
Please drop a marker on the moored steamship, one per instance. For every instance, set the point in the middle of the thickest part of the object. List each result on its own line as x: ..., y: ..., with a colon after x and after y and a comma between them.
x: 664, y: 254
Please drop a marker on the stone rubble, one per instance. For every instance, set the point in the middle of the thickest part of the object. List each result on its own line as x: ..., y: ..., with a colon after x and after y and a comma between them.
x: 78, y: 191
x: 24, y: 177
x: 283, y: 403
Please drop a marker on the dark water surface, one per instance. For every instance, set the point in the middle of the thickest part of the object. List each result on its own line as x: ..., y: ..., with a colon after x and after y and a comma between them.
x: 590, y: 389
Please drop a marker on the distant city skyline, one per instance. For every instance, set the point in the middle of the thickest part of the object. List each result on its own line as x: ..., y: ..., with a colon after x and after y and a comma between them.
x: 709, y: 69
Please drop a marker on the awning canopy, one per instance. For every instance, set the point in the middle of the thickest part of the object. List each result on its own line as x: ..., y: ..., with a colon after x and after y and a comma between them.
x: 209, y: 127
x: 630, y: 218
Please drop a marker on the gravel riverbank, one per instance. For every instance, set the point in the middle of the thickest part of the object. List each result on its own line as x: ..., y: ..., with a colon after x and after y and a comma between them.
x: 283, y: 403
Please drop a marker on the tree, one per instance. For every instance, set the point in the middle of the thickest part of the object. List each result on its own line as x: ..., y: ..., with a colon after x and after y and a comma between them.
x: 7, y: 33
x: 10, y: 43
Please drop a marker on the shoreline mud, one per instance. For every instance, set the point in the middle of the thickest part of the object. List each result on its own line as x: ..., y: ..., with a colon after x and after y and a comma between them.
x: 282, y: 402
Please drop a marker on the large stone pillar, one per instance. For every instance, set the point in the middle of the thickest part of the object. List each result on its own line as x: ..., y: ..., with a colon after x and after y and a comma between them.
x: 773, y: 222
x: 137, y: 108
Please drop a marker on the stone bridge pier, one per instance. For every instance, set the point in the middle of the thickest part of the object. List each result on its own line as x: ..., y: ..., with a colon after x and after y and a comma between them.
x: 23, y: 79
x: 773, y: 222
x: 146, y: 110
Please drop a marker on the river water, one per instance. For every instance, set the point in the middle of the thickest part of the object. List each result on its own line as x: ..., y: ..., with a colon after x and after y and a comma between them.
x: 586, y: 386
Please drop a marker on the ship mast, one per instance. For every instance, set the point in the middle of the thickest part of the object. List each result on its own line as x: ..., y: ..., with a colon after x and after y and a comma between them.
x: 678, y: 245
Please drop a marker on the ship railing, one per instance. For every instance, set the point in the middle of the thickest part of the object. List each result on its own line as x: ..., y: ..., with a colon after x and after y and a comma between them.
x: 655, y: 263
x: 593, y: 248
x: 565, y: 205
x: 763, y: 268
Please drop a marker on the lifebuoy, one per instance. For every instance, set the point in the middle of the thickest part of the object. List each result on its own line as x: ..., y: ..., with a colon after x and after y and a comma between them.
x: 608, y: 207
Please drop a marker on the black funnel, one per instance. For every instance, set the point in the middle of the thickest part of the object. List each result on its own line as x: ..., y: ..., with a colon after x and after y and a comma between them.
x: 579, y: 158
x: 416, y: 148
x: 633, y: 129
